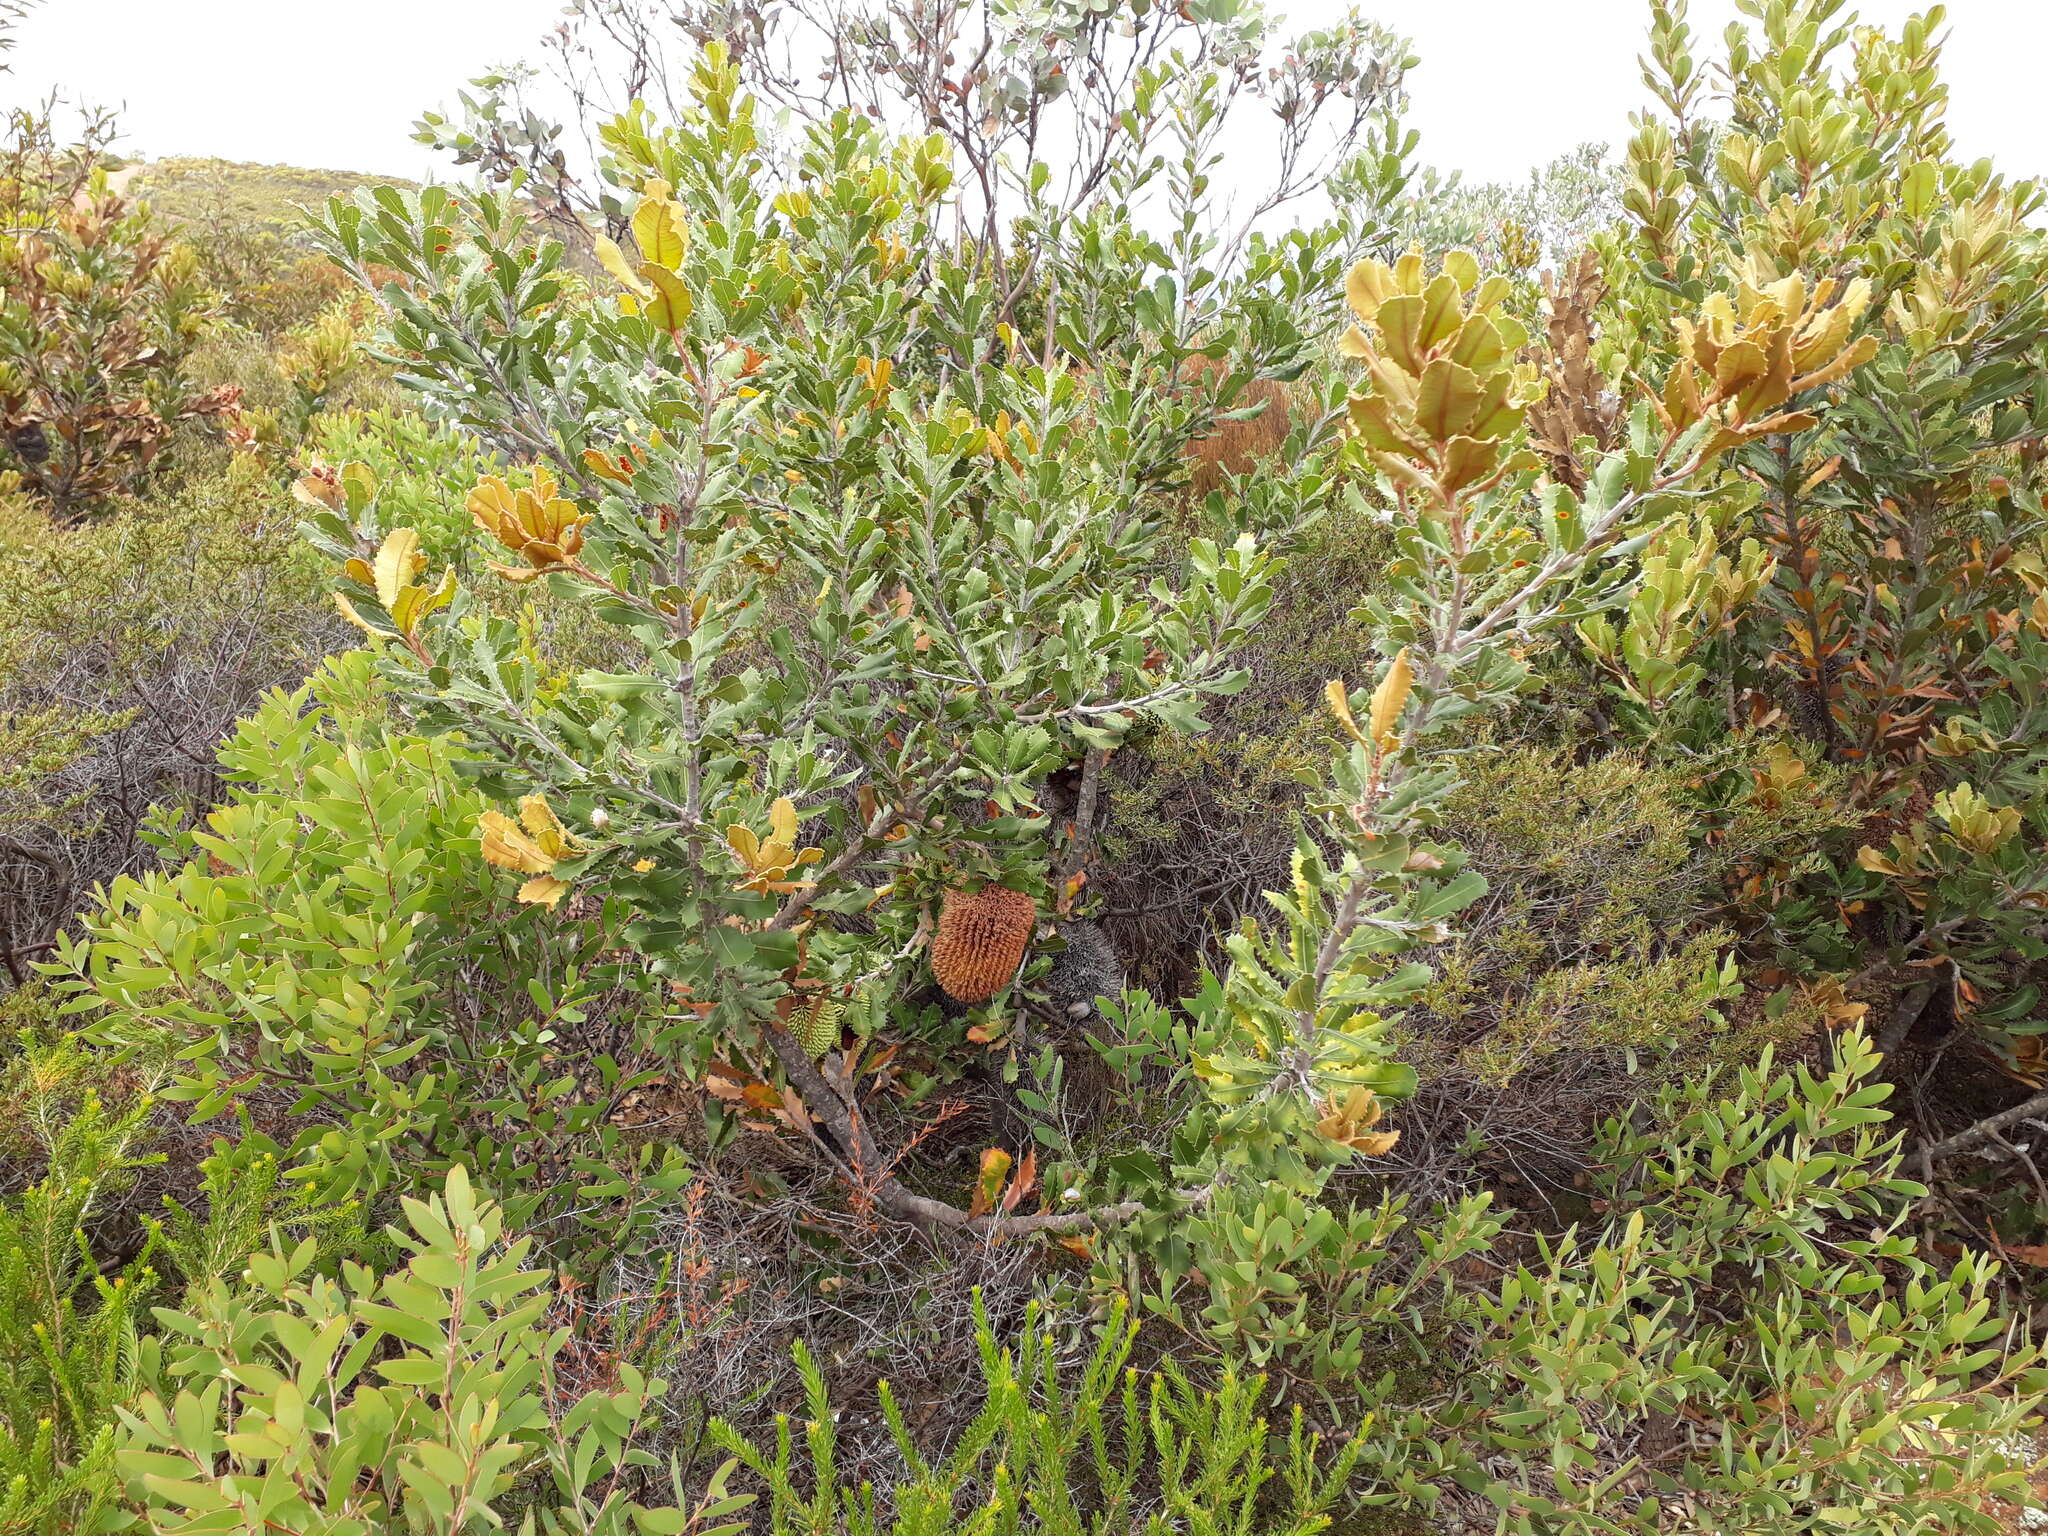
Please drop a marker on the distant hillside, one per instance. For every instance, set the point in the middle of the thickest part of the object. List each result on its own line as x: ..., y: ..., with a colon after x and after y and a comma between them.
x: 223, y: 191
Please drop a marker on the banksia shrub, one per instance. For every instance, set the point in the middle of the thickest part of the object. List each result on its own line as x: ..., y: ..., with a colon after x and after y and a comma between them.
x: 981, y: 939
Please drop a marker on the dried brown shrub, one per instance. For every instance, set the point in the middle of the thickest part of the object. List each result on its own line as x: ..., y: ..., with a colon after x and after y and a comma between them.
x: 1579, y: 402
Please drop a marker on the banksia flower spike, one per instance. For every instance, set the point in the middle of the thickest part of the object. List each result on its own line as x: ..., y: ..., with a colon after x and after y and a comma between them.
x: 816, y: 1024
x: 980, y: 941
x: 543, y: 529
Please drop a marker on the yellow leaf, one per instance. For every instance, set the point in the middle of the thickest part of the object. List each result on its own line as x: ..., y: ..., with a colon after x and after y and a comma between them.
x: 988, y: 1188
x: 414, y: 603
x: 506, y: 846
x: 782, y: 822
x: 614, y: 262
x: 1366, y: 285
x: 658, y: 230
x: 1388, y: 700
x: 398, y: 560
x: 1339, y: 698
x: 1448, y: 400
x: 539, y: 819
x: 1441, y: 313
x: 544, y: 891
x: 348, y: 611
x: 670, y: 306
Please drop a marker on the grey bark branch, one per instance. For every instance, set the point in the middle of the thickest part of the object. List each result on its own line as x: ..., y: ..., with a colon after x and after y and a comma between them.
x: 1990, y: 1126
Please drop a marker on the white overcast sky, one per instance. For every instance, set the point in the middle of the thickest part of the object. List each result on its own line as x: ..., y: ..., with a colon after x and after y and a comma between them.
x: 1503, y: 86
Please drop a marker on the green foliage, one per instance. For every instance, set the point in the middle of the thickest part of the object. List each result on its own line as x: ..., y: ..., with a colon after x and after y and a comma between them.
x: 836, y: 559
x: 1598, y: 937
x: 1053, y: 1453
x: 1753, y: 1308
x: 416, y: 1399
x: 246, y: 223
x: 424, y: 471
x: 1307, y: 1290
x: 240, y: 1197
x: 952, y: 529
x: 128, y: 646
x: 68, y: 1330
x: 874, y: 598
x: 427, y: 1399
x: 1902, y: 629
x: 333, y: 948
x: 1516, y: 228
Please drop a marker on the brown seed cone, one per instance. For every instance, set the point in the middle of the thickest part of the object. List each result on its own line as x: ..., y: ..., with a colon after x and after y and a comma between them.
x: 981, y: 939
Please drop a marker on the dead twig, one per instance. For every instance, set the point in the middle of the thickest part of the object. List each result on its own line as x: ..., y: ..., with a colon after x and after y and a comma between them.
x: 1988, y: 1128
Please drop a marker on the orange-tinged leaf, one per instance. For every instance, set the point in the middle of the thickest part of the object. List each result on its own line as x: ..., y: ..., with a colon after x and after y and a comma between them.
x: 318, y: 490
x: 1820, y: 476
x: 1738, y: 364
x: 1467, y: 460
x: 1024, y: 1182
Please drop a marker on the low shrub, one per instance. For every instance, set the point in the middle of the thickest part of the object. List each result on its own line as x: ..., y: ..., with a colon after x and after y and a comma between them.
x: 128, y: 647
x: 1604, y: 956
x: 330, y: 962
x: 68, y: 1326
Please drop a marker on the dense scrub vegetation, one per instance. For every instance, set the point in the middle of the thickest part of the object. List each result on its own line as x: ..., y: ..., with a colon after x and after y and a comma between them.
x: 869, y: 819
